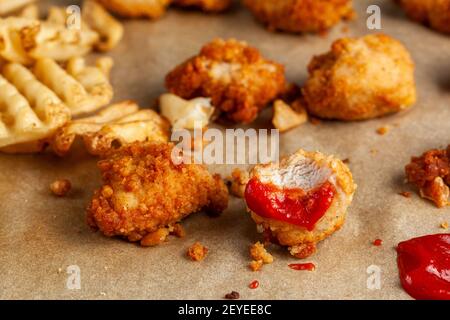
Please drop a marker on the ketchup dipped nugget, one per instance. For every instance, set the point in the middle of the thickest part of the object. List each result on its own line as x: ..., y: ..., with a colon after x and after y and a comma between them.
x: 300, y: 200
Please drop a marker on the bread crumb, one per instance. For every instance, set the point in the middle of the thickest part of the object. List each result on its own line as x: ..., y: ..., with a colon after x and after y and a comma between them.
x: 59, y: 270
x: 383, y: 130
x: 239, y: 179
x: 155, y: 238
x: 233, y: 295
x: 405, y: 194
x: 444, y: 225
x: 103, y: 293
x: 178, y: 231
x: 60, y: 187
x: 260, y: 256
x: 197, y: 252
x: 346, y: 161
x: 373, y: 151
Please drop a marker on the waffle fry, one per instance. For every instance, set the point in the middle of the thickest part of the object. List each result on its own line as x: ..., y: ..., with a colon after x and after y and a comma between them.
x: 84, y: 89
x: 109, y: 29
x: 9, y: 6
x: 29, y: 111
x: 117, y: 124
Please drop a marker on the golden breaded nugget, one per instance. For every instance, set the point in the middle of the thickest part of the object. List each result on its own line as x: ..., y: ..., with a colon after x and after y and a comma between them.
x: 300, y: 200
x: 109, y: 29
x: 136, y: 8
x: 300, y: 15
x: 234, y: 75
x: 9, y: 6
x: 115, y: 125
x: 348, y: 83
x: 435, y: 13
x: 83, y: 88
x: 30, y: 111
x: 144, y: 191
x: 205, y: 5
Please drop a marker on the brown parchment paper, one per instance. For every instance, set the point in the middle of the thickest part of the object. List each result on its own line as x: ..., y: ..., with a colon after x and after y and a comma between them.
x: 40, y: 235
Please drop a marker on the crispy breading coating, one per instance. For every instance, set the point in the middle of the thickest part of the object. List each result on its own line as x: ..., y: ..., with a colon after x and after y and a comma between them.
x: 435, y: 13
x: 360, y: 78
x: 234, y: 75
x: 205, y: 5
x: 145, y: 191
x: 300, y: 15
x: 307, y: 168
x: 136, y: 8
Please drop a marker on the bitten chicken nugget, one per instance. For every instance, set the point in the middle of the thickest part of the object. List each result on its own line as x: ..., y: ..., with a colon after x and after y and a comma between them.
x: 300, y: 15
x: 145, y: 193
x: 435, y: 13
x: 205, y: 5
x: 234, y: 75
x: 136, y: 8
x: 360, y: 78
x: 300, y: 200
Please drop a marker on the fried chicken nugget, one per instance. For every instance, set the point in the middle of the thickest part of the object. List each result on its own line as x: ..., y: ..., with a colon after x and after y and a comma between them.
x: 205, y: 5
x: 136, y: 8
x: 237, y: 78
x: 301, y: 200
x: 300, y: 15
x: 435, y: 13
x: 360, y: 78
x: 144, y: 191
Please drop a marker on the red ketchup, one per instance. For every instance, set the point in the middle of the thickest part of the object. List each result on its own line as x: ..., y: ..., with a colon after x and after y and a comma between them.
x: 424, y: 267
x: 303, y: 266
x: 289, y: 205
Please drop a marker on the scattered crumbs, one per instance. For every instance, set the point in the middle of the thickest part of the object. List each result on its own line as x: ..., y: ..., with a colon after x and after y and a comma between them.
x: 59, y: 270
x: 106, y: 268
x: 377, y: 242
x: 259, y: 256
x: 383, y: 130
x: 315, y: 121
x: 178, y: 231
x: 303, y: 266
x: 60, y: 187
x: 254, y: 284
x: 373, y: 151
x: 256, y: 265
x: 346, y: 161
x: 233, y: 295
x: 405, y: 194
x: 444, y: 225
x: 103, y: 293
x: 197, y: 252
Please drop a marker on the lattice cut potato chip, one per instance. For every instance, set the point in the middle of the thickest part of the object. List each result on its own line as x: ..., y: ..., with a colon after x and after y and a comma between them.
x: 83, y: 88
x: 114, y: 126
x: 9, y: 6
x: 29, y: 111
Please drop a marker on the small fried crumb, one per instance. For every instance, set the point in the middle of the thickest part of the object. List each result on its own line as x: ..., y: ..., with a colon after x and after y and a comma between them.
x: 197, y: 252
x: 405, y: 194
x: 260, y: 256
x: 155, y: 238
x: 178, y: 231
x: 383, y: 130
x: 60, y: 187
x: 373, y: 151
x: 346, y: 161
x: 59, y: 270
x: 315, y: 121
x: 256, y: 265
x: 238, y: 180
x: 103, y: 293
x: 233, y: 295
x: 444, y: 225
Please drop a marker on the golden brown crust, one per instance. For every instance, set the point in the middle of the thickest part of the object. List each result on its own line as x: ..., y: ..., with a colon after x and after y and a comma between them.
x: 302, y: 242
x: 136, y: 8
x: 237, y: 78
x: 347, y: 83
x: 205, y: 5
x: 197, y: 252
x: 435, y: 13
x: 144, y: 191
x: 300, y: 15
